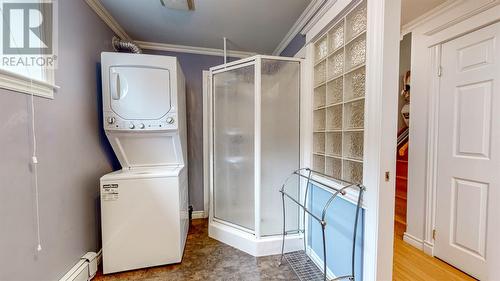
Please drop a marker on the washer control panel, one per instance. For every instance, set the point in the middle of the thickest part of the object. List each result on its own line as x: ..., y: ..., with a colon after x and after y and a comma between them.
x: 113, y: 122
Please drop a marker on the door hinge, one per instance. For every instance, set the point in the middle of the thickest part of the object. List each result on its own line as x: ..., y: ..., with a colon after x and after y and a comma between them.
x: 433, y: 234
x: 440, y: 71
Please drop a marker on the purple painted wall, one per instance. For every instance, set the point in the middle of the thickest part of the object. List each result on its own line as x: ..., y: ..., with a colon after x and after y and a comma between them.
x: 73, y: 156
x: 192, y: 66
x: 294, y: 46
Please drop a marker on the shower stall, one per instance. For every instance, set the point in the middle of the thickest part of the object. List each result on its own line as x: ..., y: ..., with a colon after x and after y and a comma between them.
x: 254, y: 140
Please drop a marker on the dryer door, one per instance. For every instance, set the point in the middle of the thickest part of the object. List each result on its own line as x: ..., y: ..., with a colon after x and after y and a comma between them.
x: 139, y: 93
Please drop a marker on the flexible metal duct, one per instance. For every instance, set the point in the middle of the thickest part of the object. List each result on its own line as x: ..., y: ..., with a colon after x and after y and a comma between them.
x: 125, y: 46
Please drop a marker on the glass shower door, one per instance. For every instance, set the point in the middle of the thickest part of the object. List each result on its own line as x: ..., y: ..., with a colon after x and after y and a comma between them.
x: 233, y: 135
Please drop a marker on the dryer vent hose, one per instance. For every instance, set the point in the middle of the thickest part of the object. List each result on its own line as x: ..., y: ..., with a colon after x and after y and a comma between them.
x: 125, y: 46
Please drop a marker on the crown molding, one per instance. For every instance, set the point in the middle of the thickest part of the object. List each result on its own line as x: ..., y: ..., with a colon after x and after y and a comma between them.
x: 439, y: 10
x: 99, y: 9
x: 304, y: 18
x: 322, y: 10
x: 411, y: 25
x: 462, y: 18
x: 191, y: 49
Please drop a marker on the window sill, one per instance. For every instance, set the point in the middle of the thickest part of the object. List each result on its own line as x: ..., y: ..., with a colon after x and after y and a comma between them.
x: 351, y: 195
x: 22, y: 84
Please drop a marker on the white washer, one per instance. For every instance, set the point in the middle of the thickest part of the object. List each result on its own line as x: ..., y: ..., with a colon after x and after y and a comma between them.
x: 144, y: 206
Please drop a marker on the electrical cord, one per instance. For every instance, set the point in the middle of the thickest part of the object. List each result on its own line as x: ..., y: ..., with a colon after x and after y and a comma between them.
x: 34, y: 158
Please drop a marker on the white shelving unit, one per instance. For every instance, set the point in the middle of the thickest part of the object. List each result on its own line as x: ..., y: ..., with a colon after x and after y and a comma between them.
x: 339, y: 98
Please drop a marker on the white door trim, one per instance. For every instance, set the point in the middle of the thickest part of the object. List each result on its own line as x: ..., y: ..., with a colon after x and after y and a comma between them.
x: 206, y: 154
x: 382, y: 67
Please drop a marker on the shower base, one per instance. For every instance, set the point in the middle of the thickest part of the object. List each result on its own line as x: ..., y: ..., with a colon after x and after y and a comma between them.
x: 248, y: 243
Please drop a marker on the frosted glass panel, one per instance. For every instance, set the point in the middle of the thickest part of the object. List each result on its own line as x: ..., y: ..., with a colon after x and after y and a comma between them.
x: 336, y: 36
x: 320, y: 73
x: 356, y: 21
x: 356, y: 52
x: 279, y: 143
x: 319, y: 143
x: 233, y: 93
x: 334, y: 117
x: 333, y: 167
x: 319, y: 120
x: 319, y: 163
x: 336, y: 64
x: 319, y: 96
x: 352, y: 171
x: 321, y: 49
x: 354, y: 115
x: 353, y: 145
x: 355, y: 84
x: 334, y: 91
x: 334, y: 143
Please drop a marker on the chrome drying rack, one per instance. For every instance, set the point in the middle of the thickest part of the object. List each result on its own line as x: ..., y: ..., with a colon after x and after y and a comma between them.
x: 301, y: 264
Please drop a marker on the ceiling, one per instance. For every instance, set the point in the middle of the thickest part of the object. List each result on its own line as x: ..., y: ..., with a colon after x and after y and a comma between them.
x: 249, y: 25
x: 412, y: 9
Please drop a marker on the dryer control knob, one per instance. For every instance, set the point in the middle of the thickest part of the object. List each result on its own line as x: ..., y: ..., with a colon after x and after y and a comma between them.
x: 131, y: 126
x: 111, y: 120
x: 142, y: 126
x: 170, y: 120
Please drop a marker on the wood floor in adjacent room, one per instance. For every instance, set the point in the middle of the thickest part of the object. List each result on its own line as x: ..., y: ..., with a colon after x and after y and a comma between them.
x: 413, y: 264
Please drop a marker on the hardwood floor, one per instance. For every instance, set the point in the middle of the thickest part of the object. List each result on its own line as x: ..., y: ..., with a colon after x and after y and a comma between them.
x: 410, y: 263
x: 413, y: 264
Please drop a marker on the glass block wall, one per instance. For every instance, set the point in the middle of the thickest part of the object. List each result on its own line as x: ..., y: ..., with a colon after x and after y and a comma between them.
x: 339, y: 98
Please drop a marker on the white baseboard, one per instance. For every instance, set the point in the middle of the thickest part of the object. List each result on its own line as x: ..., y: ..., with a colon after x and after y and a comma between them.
x: 319, y: 263
x: 84, y: 270
x: 414, y: 241
x: 199, y: 215
x: 429, y: 249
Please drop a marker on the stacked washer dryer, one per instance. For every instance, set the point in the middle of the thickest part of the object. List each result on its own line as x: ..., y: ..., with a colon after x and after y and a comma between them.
x: 144, y: 206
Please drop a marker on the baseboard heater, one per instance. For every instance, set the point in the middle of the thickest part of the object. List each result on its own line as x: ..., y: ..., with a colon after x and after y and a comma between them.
x: 84, y: 270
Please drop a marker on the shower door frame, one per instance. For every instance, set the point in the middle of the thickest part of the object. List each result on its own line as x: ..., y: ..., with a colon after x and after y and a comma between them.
x: 256, y: 61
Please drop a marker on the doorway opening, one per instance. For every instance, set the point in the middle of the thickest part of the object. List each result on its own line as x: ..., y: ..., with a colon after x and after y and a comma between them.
x: 403, y: 137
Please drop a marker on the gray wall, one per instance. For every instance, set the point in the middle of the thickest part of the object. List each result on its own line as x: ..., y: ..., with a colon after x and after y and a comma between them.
x: 192, y: 66
x: 294, y: 46
x: 72, y: 156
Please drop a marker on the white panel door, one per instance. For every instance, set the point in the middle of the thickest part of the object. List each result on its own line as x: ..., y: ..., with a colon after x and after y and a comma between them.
x: 468, y: 175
